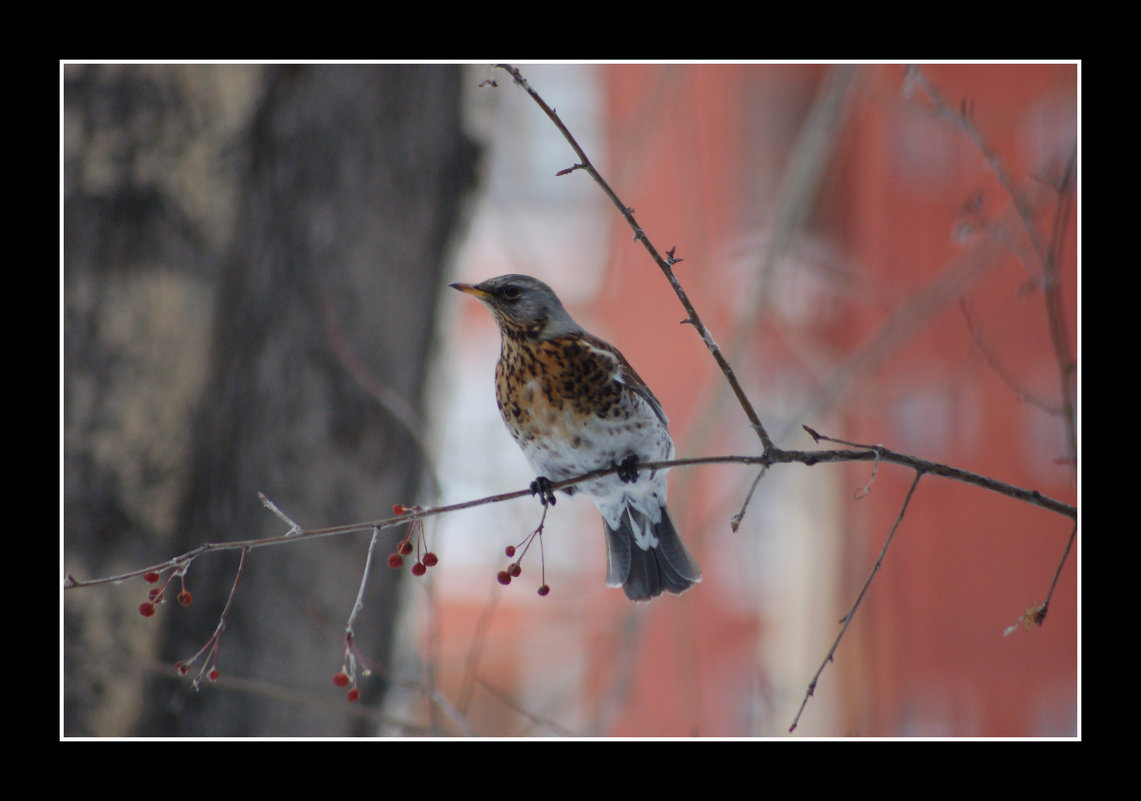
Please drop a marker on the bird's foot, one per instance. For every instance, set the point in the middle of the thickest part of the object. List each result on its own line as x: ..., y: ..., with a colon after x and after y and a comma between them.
x: 628, y: 469
x: 541, y: 486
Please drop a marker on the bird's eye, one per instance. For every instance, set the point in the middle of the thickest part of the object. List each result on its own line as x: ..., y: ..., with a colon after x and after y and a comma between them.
x: 511, y: 292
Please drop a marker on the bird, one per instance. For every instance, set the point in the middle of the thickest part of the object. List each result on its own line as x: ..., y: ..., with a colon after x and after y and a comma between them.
x: 574, y: 405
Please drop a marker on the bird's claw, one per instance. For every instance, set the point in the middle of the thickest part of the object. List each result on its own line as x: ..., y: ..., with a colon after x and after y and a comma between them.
x: 628, y: 469
x: 541, y: 486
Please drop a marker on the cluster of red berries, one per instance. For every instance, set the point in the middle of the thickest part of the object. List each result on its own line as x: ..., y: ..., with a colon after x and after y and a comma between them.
x: 184, y: 667
x: 156, y: 595
x: 347, y: 675
x: 404, y: 548
x: 514, y: 570
x: 342, y: 679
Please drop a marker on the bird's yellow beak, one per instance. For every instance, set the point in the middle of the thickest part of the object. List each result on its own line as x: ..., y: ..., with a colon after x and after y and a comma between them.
x: 472, y: 289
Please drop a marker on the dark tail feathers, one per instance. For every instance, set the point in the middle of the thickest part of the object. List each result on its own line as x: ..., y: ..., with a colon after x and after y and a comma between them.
x: 644, y: 566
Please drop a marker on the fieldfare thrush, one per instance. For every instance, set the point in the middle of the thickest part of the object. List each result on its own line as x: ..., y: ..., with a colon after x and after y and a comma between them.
x: 575, y: 405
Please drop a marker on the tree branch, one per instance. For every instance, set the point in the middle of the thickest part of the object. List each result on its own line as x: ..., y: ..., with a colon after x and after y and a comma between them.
x: 847, y: 619
x: 856, y: 453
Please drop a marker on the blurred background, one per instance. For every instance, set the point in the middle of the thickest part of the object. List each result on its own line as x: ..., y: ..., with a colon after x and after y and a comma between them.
x: 255, y: 262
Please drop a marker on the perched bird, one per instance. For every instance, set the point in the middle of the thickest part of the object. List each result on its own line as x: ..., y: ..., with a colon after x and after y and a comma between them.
x: 574, y: 405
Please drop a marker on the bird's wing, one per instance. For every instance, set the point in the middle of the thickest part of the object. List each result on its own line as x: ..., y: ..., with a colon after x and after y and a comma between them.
x: 625, y: 374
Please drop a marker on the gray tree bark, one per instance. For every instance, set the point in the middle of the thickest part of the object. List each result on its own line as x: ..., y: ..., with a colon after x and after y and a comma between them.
x: 252, y: 257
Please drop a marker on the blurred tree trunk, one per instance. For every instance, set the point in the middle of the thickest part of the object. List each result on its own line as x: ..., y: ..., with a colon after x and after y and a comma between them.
x: 252, y: 257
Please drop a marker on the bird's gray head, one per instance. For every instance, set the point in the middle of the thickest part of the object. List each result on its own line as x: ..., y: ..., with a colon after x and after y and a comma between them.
x: 524, y: 307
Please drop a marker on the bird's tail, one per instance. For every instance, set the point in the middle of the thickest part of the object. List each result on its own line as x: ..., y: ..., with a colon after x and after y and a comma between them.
x: 645, y: 558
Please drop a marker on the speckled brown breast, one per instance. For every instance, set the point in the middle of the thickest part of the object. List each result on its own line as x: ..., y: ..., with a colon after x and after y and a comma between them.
x: 543, y: 384
x: 564, y: 405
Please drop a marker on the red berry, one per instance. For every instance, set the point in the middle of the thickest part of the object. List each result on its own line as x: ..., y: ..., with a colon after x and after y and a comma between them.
x: 213, y: 674
x: 398, y: 509
x: 544, y: 589
x: 185, y: 598
x: 354, y: 694
x: 146, y: 609
x: 504, y: 577
x: 509, y: 550
x: 154, y: 594
x: 341, y: 679
x: 395, y: 561
x: 515, y: 570
x: 430, y: 559
x: 181, y: 668
x: 418, y: 569
x: 151, y: 578
x: 405, y: 547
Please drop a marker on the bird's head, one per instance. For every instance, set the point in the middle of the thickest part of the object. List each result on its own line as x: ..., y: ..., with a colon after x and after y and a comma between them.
x: 524, y: 307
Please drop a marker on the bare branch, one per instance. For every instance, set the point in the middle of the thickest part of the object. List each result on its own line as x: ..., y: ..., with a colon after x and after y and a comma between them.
x: 1067, y: 367
x: 847, y: 619
x: 1045, y: 256
x: 962, y: 120
x: 1036, y: 615
x: 212, y: 645
x: 860, y: 453
x: 995, y: 362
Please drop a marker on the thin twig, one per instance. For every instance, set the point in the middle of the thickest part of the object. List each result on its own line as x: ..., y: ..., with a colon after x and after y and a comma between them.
x: 388, y: 398
x: 1036, y: 615
x: 962, y: 120
x: 441, y: 702
x: 294, y: 528
x: 214, y: 643
x: 847, y: 619
x: 475, y: 652
x: 1052, y: 290
x: 352, y: 654
x: 511, y: 703
x: 735, y: 520
x: 1061, y: 564
x: 999, y: 367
